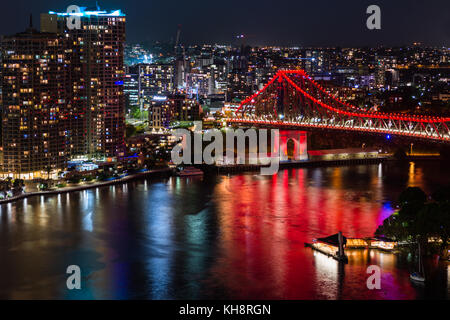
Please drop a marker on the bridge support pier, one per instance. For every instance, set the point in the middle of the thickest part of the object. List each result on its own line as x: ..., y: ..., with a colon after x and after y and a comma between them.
x: 299, y: 138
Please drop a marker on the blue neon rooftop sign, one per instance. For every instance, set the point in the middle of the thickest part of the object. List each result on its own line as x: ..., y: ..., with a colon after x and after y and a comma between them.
x: 84, y: 13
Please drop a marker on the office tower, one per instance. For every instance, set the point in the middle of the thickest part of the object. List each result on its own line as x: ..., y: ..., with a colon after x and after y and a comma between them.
x: 96, y: 99
x: 34, y: 111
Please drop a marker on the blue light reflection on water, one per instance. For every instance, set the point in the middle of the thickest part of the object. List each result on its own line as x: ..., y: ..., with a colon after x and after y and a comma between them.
x: 218, y: 237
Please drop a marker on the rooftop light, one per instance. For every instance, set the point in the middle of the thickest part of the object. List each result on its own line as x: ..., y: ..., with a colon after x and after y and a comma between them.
x: 84, y: 13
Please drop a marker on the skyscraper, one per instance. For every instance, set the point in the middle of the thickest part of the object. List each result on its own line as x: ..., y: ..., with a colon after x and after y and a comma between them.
x: 96, y: 101
x: 34, y: 81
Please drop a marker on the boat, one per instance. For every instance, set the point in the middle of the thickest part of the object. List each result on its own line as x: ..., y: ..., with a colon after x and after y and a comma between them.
x: 415, y: 276
x: 189, y: 171
x: 418, y: 276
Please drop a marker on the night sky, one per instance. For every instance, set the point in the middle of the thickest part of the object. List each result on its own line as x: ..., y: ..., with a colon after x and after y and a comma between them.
x: 277, y: 22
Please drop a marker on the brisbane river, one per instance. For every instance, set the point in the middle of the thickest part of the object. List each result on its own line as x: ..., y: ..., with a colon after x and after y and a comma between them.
x: 215, y: 237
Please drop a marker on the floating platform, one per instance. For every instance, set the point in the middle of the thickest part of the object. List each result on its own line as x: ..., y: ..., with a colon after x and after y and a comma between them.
x: 330, y: 245
x: 313, y: 246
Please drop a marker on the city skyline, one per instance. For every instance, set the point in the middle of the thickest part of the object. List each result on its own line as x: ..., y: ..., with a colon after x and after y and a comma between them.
x: 285, y: 24
x: 166, y: 170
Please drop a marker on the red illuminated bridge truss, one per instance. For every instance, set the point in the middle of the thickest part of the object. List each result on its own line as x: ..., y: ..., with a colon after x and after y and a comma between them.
x: 292, y: 99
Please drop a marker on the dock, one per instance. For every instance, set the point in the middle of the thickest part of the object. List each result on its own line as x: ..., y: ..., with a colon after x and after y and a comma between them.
x: 342, y: 258
x: 334, y: 246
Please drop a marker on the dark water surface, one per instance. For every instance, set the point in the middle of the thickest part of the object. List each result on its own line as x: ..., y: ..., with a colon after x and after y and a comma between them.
x: 238, y: 237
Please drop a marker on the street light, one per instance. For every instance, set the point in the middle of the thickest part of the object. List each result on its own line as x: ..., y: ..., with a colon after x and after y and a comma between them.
x: 410, y: 153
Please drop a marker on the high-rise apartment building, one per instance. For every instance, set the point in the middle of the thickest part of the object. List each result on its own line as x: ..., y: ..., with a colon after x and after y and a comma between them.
x: 178, y: 107
x: 34, y: 113
x: 96, y: 103
x: 160, y: 113
x: 131, y: 87
x: 154, y: 80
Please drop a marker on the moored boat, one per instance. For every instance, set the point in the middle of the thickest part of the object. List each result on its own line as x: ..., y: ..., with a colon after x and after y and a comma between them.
x: 415, y: 276
x: 189, y: 171
x: 418, y: 276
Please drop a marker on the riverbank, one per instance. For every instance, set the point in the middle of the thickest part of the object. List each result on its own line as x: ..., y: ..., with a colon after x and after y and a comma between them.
x: 91, y: 185
x: 214, y: 169
x: 295, y: 164
x: 318, y: 163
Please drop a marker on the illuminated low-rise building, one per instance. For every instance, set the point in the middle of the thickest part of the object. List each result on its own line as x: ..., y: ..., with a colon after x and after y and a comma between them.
x: 383, y: 243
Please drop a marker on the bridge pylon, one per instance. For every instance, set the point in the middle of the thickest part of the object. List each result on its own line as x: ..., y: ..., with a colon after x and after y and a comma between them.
x: 299, y: 139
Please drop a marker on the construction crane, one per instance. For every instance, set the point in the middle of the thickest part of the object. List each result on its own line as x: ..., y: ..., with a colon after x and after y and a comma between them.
x: 177, y: 39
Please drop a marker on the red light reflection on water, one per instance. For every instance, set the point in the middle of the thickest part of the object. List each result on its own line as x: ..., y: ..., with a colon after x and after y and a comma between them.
x: 265, y: 221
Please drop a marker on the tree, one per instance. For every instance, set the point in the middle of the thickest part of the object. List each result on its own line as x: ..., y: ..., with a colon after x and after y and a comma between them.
x: 18, y: 183
x: 433, y: 222
x: 8, y: 183
x: 411, y: 201
x: 130, y: 131
x: 442, y: 194
x: 76, y: 178
x: 102, y: 176
x: 419, y: 220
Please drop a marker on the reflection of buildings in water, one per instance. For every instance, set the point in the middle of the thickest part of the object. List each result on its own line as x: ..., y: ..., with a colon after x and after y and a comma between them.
x: 196, y: 236
x: 385, y: 260
x: 415, y: 175
x: 176, y: 184
x: 362, y: 257
x: 262, y: 218
x: 448, y: 280
x: 159, y: 231
x: 329, y: 276
x: 254, y: 244
x: 411, y: 174
x: 377, y: 181
x: 380, y: 172
x: 357, y: 256
x: 336, y: 178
